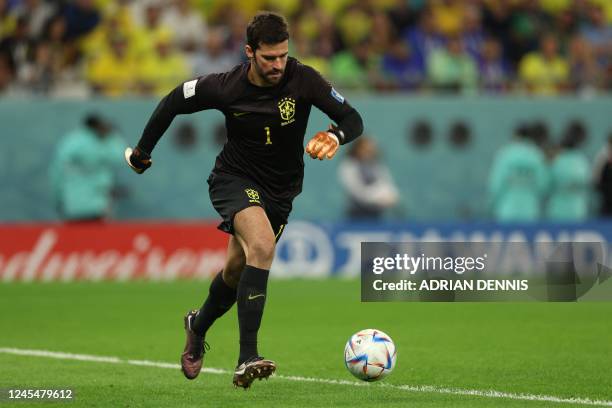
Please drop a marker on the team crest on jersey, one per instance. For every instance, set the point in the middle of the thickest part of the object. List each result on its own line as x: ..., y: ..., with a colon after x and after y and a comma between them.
x: 286, y: 106
x: 253, y: 195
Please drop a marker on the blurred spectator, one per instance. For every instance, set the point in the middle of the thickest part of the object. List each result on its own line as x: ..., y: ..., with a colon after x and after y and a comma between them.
x: 18, y: 46
x: 7, y: 19
x: 501, y: 36
x: 583, y: 73
x: 235, y: 39
x: 381, y: 25
x: 318, y: 29
x: 163, y: 69
x: 518, y: 180
x: 118, y: 21
x: 448, y: 16
x: 304, y: 52
x: 472, y: 33
x: 527, y: 22
x: 570, y: 178
x: 6, y: 75
x: 328, y: 41
x: 368, y: 182
x: 400, y: 69
x: 545, y: 72
x: 539, y: 133
x: 496, y: 20
x: 598, y: 33
x: 115, y: 72
x: 493, y: 68
x: 82, y: 170
x: 451, y: 68
x: 38, y: 12
x: 355, y: 24
x: 81, y: 17
x: 423, y: 38
x: 603, y: 178
x: 213, y: 57
x: 187, y: 25
x: 39, y: 75
x: 63, y: 62
x: 599, y: 36
x: 150, y: 28
x: 402, y: 15
x: 354, y: 68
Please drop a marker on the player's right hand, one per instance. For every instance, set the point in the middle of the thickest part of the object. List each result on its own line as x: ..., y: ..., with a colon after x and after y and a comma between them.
x: 137, y: 159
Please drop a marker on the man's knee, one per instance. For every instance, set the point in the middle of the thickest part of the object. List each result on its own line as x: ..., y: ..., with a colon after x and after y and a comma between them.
x: 261, y: 250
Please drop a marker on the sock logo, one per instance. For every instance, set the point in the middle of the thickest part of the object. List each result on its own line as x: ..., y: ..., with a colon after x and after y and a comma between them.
x: 251, y: 296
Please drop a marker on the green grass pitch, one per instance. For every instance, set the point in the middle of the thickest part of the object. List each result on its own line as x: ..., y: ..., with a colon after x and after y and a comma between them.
x: 535, y: 349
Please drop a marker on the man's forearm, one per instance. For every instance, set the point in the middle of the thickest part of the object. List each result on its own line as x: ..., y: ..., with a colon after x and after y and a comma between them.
x: 349, y: 128
x: 158, y: 123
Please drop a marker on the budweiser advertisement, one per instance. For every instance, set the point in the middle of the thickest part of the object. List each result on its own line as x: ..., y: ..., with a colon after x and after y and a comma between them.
x: 110, y: 251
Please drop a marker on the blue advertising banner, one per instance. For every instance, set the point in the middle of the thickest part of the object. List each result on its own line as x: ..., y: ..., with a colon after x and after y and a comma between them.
x: 310, y: 249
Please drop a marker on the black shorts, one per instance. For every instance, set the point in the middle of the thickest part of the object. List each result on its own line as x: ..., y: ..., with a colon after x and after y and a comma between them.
x: 231, y: 194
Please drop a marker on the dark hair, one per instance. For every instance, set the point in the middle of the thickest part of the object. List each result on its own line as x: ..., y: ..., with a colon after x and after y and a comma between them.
x: 97, y: 123
x: 575, y: 134
x: 266, y: 28
x: 540, y: 133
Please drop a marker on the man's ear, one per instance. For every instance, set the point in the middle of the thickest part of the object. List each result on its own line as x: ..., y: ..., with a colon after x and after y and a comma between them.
x: 249, y: 51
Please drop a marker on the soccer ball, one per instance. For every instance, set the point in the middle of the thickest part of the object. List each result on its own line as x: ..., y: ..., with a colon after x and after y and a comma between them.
x: 370, y: 355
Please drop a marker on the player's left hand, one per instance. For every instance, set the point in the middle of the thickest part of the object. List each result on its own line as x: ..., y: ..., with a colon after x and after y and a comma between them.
x: 323, y: 145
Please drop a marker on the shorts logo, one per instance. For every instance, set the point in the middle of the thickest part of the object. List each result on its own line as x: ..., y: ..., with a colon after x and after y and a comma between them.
x: 253, y: 195
x: 286, y: 106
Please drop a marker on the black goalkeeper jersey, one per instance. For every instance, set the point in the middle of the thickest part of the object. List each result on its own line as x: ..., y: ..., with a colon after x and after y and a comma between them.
x: 265, y: 125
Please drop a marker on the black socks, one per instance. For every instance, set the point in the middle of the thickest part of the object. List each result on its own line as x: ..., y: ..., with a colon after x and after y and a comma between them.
x: 220, y: 299
x: 251, y: 301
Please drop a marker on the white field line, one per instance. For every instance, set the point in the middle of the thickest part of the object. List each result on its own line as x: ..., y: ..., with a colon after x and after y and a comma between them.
x: 408, y: 388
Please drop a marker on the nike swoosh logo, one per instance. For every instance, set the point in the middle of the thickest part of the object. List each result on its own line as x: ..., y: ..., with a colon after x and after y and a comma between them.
x: 251, y: 297
x: 238, y: 114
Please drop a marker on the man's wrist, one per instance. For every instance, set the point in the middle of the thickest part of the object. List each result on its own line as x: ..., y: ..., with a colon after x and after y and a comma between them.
x: 333, y: 136
x: 141, y: 153
x: 339, y: 134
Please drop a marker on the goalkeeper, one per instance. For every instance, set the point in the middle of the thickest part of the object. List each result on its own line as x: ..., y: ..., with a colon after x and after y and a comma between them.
x: 266, y: 102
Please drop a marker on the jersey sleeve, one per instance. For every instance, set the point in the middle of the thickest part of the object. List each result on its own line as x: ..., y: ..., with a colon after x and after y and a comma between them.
x: 333, y: 104
x: 324, y: 96
x: 192, y: 96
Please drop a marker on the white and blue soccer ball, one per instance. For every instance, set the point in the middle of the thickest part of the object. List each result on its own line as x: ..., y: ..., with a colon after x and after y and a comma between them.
x: 370, y: 355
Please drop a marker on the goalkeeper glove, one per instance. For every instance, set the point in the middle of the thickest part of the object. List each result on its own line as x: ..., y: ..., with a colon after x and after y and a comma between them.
x: 138, y: 159
x: 323, y: 145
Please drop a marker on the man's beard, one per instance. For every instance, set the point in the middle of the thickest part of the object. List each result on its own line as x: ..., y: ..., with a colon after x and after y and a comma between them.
x: 267, y: 76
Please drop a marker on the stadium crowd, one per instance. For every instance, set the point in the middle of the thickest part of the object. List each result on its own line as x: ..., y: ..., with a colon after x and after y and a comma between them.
x: 120, y: 48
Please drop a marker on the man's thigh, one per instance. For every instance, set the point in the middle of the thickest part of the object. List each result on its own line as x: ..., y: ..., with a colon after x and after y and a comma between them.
x: 232, y: 194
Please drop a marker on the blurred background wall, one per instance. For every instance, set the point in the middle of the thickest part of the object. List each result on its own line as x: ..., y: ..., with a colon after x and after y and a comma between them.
x: 438, y: 180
